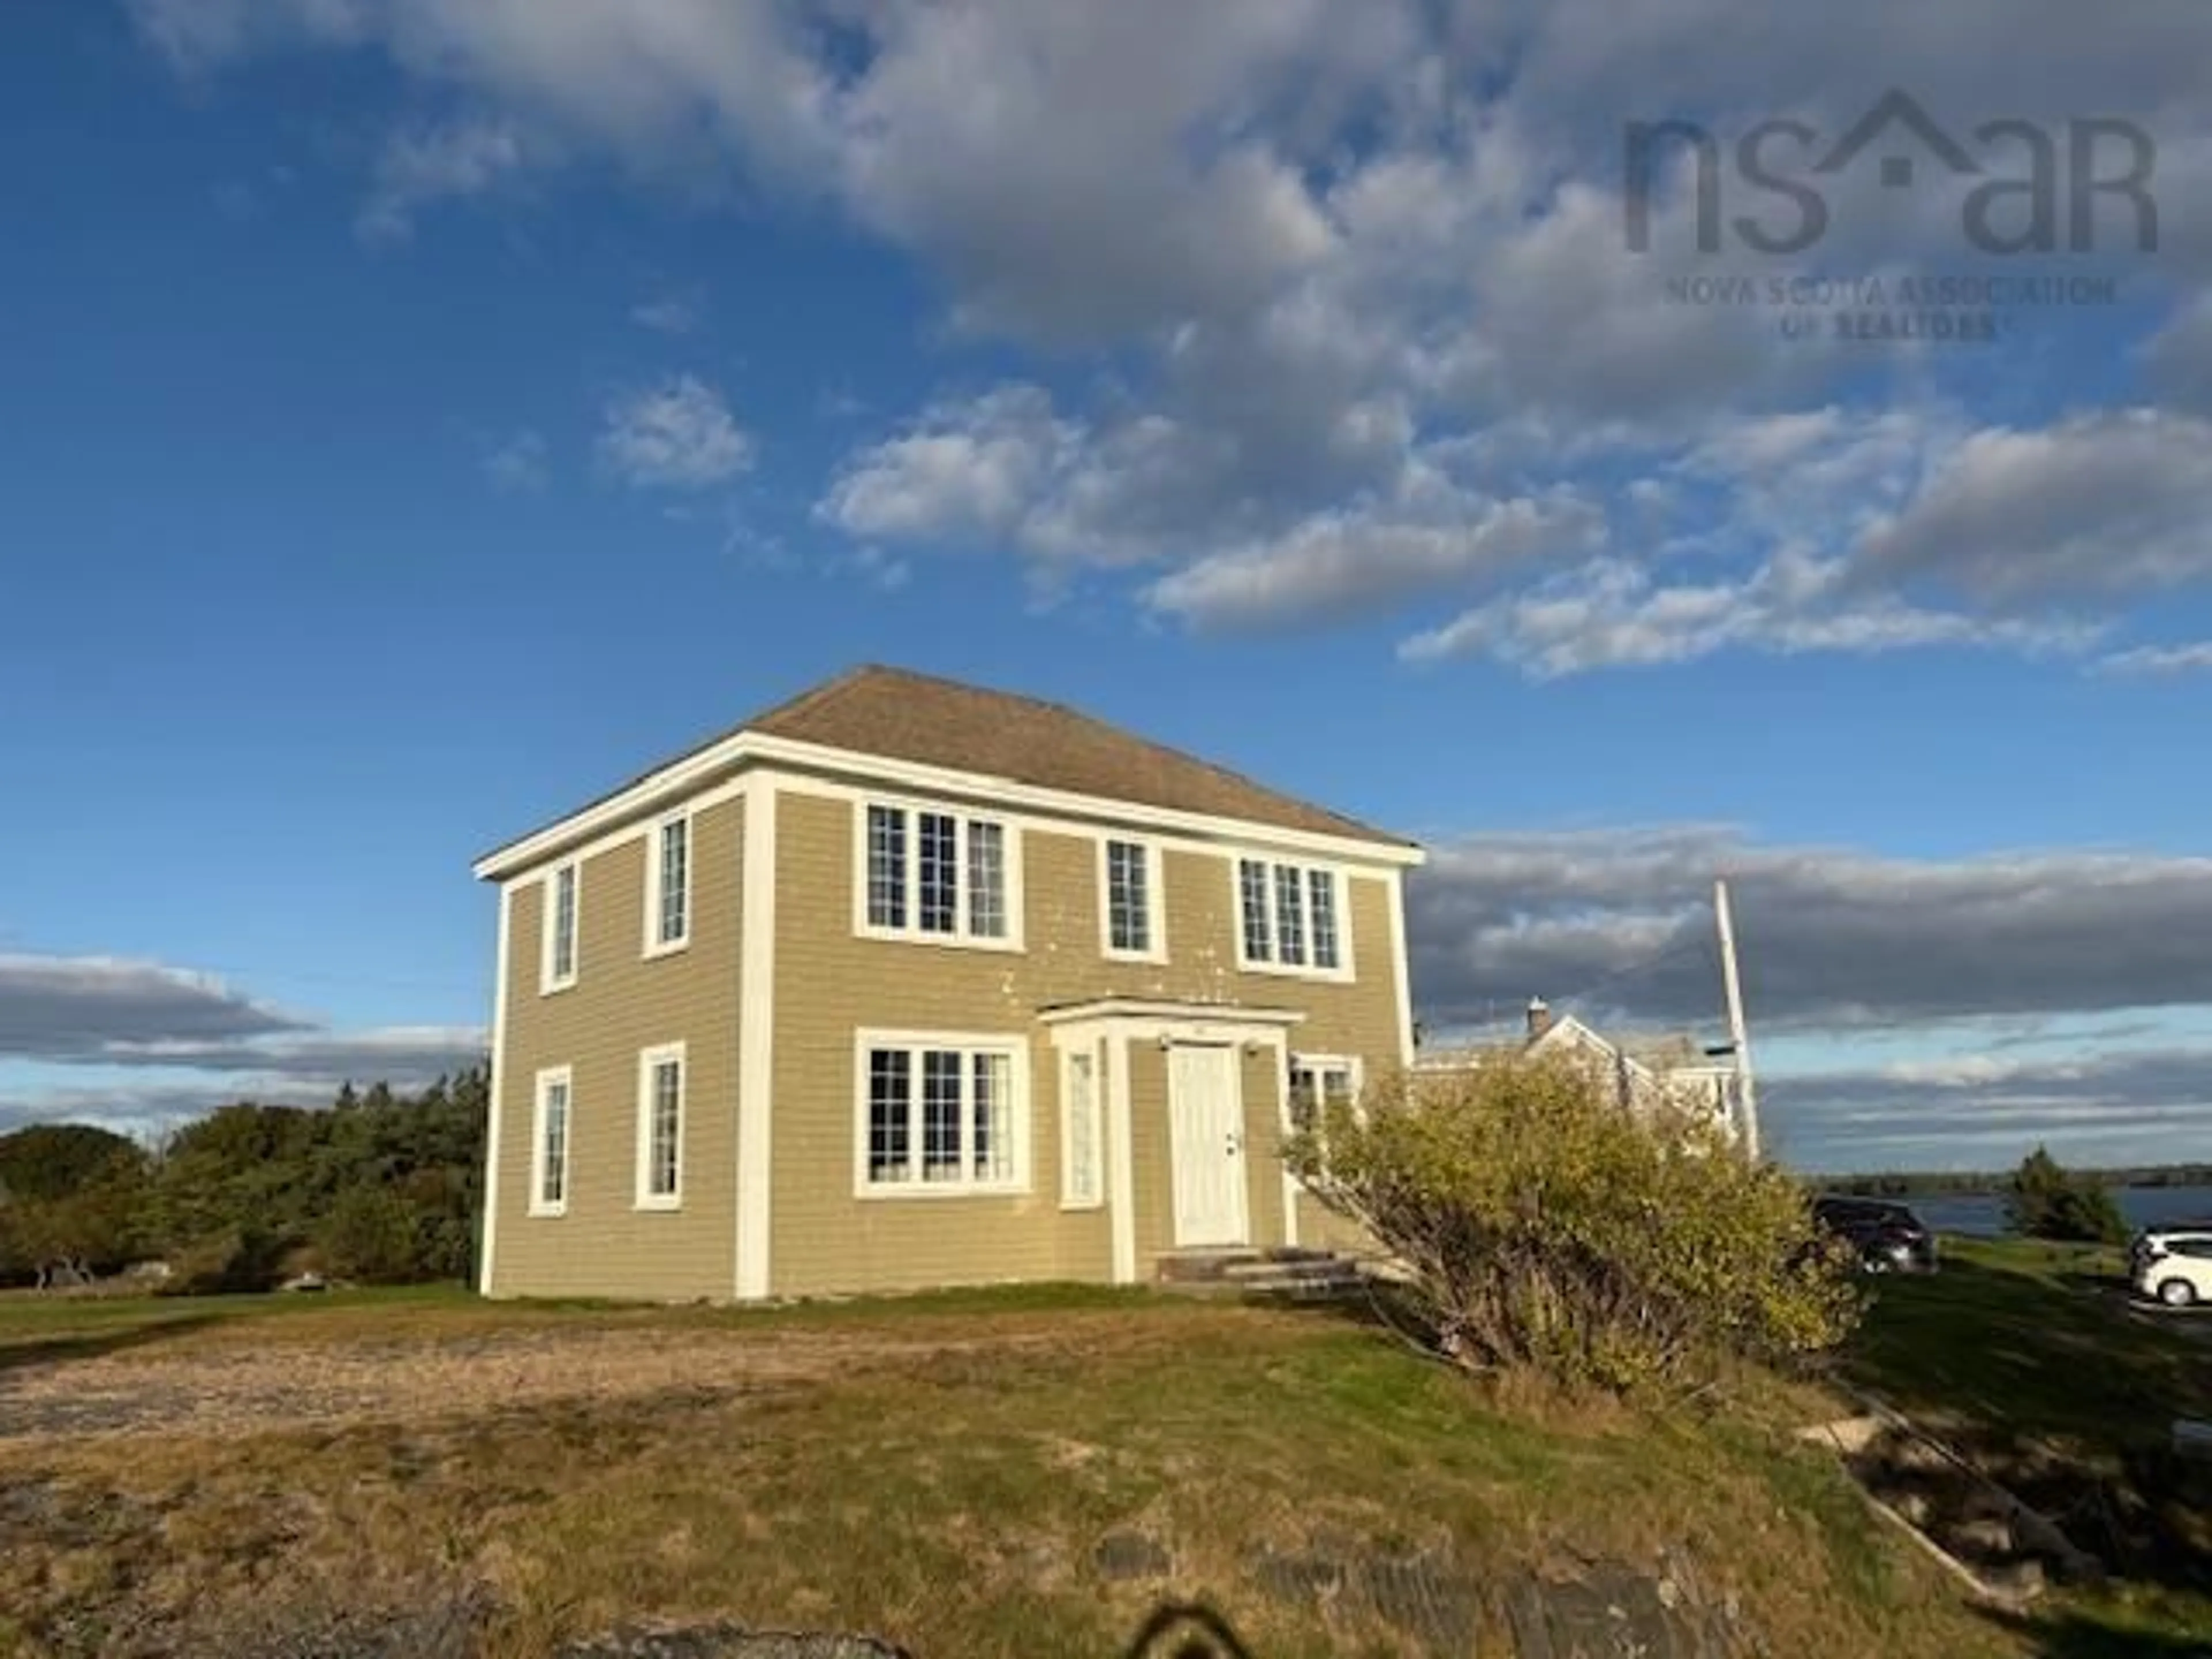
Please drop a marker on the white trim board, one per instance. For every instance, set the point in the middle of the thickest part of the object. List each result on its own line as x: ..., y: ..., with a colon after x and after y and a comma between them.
x: 755, y: 1038
x: 495, y: 1083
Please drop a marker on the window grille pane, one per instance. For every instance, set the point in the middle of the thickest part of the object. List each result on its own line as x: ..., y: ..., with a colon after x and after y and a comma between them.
x: 886, y: 866
x: 1303, y: 1100
x: 986, y: 880
x: 1252, y: 884
x: 1321, y: 885
x: 553, y: 1183
x: 1290, y: 913
x: 1129, y: 904
x: 675, y: 879
x: 667, y: 1128
x: 890, y: 1092
x: 993, y: 1140
x: 940, y: 872
x: 1081, y: 1131
x: 564, y: 921
x: 940, y: 1115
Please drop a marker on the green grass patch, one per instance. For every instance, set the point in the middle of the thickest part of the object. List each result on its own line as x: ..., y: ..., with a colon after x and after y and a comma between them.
x: 949, y: 1487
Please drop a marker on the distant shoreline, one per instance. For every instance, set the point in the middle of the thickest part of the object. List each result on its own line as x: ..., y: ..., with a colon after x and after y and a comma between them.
x: 1921, y: 1183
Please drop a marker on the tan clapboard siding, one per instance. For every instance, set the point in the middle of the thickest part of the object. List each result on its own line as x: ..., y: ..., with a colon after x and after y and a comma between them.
x: 831, y: 983
x: 623, y: 1002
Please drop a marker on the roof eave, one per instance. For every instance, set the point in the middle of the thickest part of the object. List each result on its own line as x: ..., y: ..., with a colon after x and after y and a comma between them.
x: 748, y: 747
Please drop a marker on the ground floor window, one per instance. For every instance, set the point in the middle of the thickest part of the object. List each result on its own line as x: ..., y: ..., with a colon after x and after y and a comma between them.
x: 942, y: 1113
x: 1081, y: 1186
x: 1318, y: 1084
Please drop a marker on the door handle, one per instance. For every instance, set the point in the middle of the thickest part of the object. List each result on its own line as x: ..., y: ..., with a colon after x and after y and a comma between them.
x: 1236, y: 1143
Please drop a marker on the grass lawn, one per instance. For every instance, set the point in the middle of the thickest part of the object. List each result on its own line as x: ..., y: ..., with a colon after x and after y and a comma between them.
x: 2028, y: 1357
x: 222, y: 1476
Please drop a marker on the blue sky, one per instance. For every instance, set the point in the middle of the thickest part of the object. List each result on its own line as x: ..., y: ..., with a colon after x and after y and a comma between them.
x: 415, y: 418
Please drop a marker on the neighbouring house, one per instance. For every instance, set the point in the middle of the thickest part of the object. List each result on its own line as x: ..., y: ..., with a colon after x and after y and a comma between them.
x: 1644, y: 1071
x: 906, y: 983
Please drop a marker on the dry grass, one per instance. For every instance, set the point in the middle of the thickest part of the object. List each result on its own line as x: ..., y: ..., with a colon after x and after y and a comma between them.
x: 941, y: 1471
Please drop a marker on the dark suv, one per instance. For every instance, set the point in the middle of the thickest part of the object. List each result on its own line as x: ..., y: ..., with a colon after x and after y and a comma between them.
x: 1889, y: 1237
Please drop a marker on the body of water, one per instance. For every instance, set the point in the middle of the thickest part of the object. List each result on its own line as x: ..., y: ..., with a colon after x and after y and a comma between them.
x: 1982, y: 1213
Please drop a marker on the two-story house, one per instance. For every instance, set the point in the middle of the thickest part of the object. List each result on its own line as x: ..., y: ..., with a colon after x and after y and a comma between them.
x: 906, y: 983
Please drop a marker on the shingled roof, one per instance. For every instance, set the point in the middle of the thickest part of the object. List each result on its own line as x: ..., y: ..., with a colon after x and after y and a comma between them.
x: 894, y: 714
x: 903, y: 715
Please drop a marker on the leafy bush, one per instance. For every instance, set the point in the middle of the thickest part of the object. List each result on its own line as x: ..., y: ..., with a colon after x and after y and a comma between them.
x: 1547, y: 1228
x: 2046, y: 1201
x: 372, y: 1235
x: 227, y: 1262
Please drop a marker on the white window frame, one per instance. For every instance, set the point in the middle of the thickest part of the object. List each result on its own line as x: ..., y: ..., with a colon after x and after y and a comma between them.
x: 551, y: 1077
x: 550, y: 901
x: 649, y: 1061
x: 1094, y: 1117
x: 655, y: 852
x: 968, y: 1044
x: 1355, y: 1070
x: 965, y: 819
x: 1340, y: 882
x: 1156, y: 949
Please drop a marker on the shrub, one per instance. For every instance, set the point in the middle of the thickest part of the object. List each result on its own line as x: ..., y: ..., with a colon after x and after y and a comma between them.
x: 373, y: 1235
x: 227, y: 1262
x: 1545, y: 1227
x: 2046, y: 1201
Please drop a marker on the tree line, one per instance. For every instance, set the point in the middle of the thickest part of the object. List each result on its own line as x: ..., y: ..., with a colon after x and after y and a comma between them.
x: 380, y: 1187
x: 1971, y: 1183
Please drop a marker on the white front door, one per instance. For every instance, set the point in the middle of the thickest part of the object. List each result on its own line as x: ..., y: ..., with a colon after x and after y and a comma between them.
x: 1206, y: 1108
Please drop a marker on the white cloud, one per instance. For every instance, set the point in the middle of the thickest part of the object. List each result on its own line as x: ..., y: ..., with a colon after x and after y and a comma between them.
x: 2112, y: 502
x: 2160, y: 659
x: 669, y: 313
x: 677, y: 434
x: 2178, y: 359
x: 420, y: 166
x: 1613, y: 614
x: 518, y: 464
x: 1355, y: 559
x: 1328, y: 250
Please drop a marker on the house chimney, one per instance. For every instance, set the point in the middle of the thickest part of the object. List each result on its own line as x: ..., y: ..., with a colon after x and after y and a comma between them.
x: 1540, y: 1017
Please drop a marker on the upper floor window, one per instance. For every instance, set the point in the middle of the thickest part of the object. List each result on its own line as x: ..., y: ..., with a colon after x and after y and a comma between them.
x: 660, y: 1128
x: 1131, y: 882
x: 563, y: 898
x: 934, y: 874
x: 1287, y: 916
x: 668, y: 887
x: 940, y: 1114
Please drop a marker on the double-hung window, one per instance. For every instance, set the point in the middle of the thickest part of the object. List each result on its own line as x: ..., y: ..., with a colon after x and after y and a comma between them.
x: 1287, y: 917
x: 564, y: 898
x: 660, y: 1128
x: 1130, y: 887
x: 933, y: 874
x: 668, y: 887
x: 941, y: 1114
x: 548, y: 1143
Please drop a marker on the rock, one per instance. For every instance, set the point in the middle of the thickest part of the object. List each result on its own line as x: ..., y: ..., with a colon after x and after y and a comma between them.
x: 1122, y: 1556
